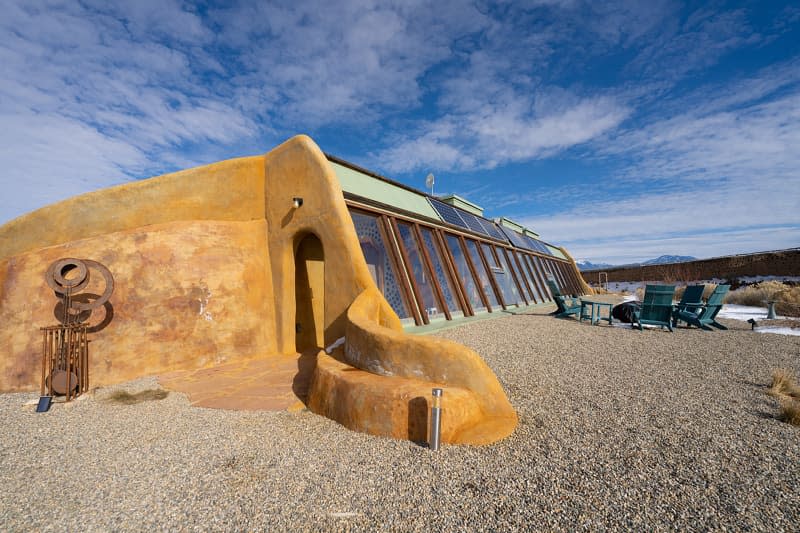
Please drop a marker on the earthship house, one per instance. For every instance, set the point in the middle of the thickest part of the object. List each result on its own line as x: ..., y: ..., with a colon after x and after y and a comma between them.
x: 220, y: 263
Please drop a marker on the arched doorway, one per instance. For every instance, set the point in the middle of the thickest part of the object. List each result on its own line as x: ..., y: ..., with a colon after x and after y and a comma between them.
x: 309, y: 264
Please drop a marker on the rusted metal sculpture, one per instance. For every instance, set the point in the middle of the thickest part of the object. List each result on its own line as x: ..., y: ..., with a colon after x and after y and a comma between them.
x: 65, y: 347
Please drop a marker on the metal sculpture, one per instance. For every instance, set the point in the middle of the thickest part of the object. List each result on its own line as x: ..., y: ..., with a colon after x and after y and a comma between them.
x: 65, y: 347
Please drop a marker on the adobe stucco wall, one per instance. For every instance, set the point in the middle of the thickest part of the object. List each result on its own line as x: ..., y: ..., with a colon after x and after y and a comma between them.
x: 204, y: 263
x: 188, y: 295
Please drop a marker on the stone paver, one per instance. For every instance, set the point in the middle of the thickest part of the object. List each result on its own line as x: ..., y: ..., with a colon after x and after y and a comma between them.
x: 270, y: 383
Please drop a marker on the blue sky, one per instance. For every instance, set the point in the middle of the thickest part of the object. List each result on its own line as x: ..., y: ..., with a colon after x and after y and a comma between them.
x: 622, y: 130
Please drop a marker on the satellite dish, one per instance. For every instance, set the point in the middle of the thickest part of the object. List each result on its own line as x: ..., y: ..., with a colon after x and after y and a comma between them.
x: 429, y: 181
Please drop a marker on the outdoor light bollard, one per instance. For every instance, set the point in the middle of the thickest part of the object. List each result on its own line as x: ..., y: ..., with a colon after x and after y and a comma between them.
x: 436, y: 419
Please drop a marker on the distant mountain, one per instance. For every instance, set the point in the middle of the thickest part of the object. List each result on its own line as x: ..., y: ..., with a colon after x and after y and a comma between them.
x: 588, y: 265
x: 668, y: 259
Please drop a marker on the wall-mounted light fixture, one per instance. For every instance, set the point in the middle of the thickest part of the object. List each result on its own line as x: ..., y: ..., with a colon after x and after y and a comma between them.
x: 297, y: 202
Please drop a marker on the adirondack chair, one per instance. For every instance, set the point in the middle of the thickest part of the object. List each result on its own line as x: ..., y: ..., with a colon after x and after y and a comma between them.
x: 706, y: 315
x: 692, y: 299
x: 656, y: 308
x: 566, y: 306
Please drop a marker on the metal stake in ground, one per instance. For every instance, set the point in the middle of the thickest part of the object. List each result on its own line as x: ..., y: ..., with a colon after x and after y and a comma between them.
x: 436, y: 419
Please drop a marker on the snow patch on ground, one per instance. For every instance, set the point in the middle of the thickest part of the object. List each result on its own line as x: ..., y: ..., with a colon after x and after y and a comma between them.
x: 779, y: 331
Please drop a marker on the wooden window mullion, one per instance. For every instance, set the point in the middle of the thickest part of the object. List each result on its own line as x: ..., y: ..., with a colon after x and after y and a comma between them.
x: 513, y: 272
x: 524, y: 281
x: 492, y: 281
x: 402, y: 274
x: 414, y: 287
x: 539, y: 267
x: 431, y: 272
x: 472, y: 269
x: 527, y: 260
x: 451, y: 265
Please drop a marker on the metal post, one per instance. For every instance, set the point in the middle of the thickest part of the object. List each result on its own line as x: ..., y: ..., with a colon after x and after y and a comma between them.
x: 436, y: 419
x: 771, y: 310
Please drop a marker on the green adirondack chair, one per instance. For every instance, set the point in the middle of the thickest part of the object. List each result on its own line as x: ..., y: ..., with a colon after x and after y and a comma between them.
x: 656, y: 308
x: 692, y: 299
x: 706, y: 315
x: 566, y: 306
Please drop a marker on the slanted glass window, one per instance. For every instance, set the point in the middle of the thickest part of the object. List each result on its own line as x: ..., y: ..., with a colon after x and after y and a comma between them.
x: 502, y: 275
x: 526, y: 267
x: 540, y: 270
x: 420, y: 271
x: 464, y: 273
x: 490, y: 258
x: 551, y: 272
x: 448, y: 290
x: 483, y: 275
x: 562, y: 284
x: 373, y: 244
x: 520, y: 278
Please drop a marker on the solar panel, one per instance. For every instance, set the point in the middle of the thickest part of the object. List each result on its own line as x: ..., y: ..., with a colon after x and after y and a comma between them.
x: 515, y: 238
x: 539, y: 246
x: 533, y: 244
x: 467, y: 220
x: 493, y: 230
x: 448, y: 213
x: 474, y: 223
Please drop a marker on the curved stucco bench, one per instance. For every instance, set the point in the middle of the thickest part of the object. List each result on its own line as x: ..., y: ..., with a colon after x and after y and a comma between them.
x: 383, y: 383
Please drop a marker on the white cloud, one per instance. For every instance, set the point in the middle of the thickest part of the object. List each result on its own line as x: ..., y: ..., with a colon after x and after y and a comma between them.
x: 501, y: 132
x: 134, y: 88
x: 343, y: 61
x: 91, y: 97
x: 716, y: 179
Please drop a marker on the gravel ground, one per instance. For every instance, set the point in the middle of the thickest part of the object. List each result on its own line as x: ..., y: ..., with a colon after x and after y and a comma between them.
x: 619, y: 430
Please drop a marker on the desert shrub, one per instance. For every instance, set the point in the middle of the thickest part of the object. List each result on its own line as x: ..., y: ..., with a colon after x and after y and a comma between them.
x: 788, y: 302
x: 790, y: 411
x: 786, y: 390
x: 784, y: 384
x: 756, y: 295
x: 127, y: 398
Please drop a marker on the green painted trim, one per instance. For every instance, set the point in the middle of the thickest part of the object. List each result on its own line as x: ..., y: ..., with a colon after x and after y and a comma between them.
x: 507, y: 222
x: 366, y: 186
x: 530, y: 233
x: 556, y: 251
x: 441, y: 325
x: 466, y: 205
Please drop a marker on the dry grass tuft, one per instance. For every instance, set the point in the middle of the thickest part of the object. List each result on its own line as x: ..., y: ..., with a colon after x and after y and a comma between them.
x: 790, y: 411
x: 786, y: 390
x: 755, y: 295
x: 783, y: 384
x: 788, y: 301
x: 127, y: 398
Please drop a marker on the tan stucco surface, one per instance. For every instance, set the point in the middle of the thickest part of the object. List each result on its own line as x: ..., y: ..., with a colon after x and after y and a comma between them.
x: 478, y: 410
x: 188, y: 295
x: 206, y: 269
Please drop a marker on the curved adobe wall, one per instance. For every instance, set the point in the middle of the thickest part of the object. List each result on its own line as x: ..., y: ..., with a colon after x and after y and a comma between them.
x: 204, y: 263
x: 401, y: 370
